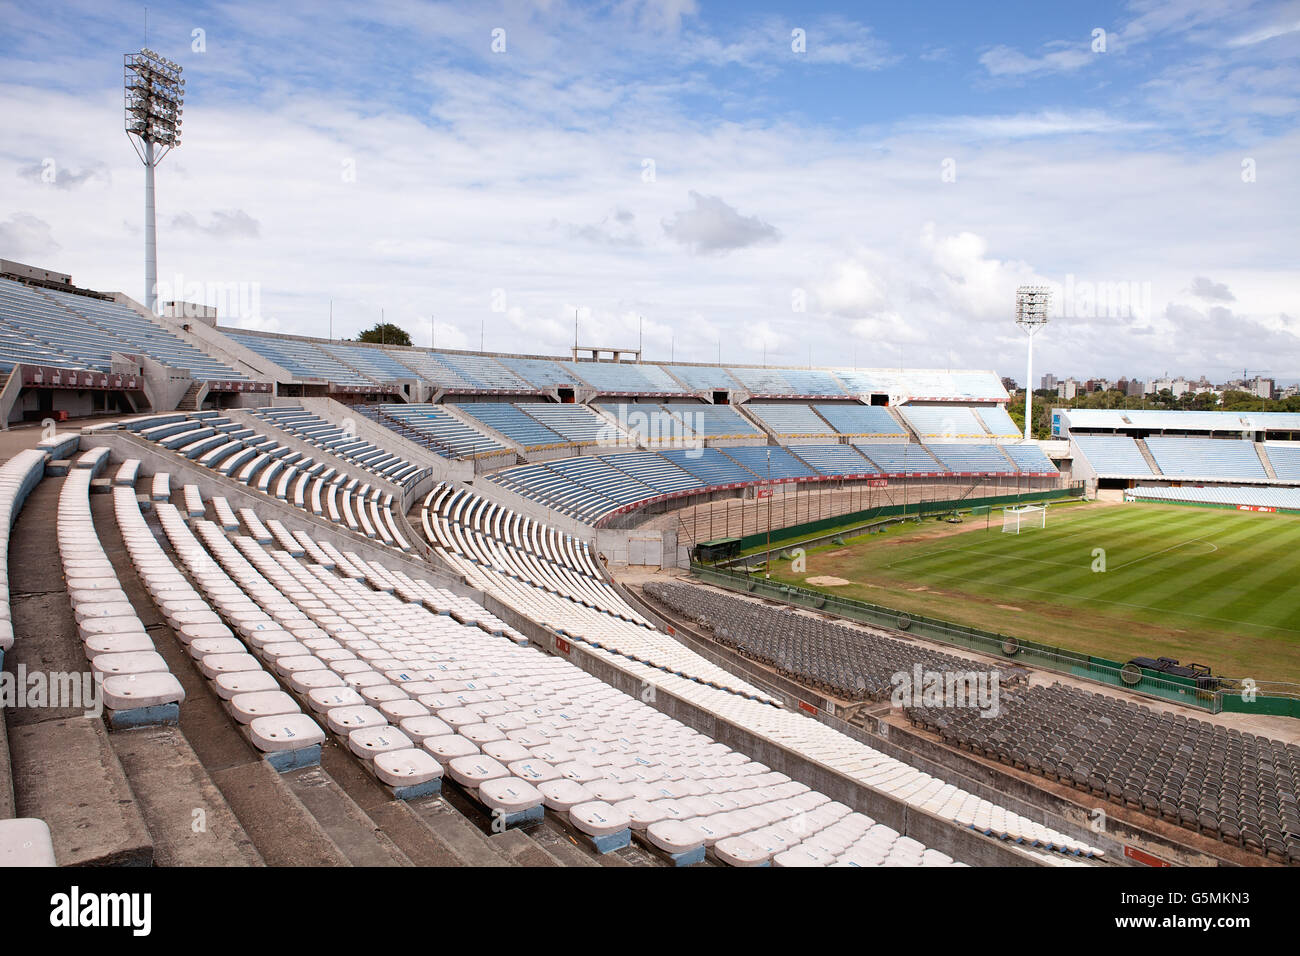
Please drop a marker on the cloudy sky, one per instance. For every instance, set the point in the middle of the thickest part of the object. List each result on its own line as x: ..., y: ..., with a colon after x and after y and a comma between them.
x: 843, y: 184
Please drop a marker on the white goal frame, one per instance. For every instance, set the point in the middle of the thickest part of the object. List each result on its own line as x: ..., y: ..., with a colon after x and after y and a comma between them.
x: 1023, y: 518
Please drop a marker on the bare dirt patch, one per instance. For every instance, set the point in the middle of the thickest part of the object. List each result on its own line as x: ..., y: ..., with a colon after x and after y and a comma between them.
x: 827, y: 581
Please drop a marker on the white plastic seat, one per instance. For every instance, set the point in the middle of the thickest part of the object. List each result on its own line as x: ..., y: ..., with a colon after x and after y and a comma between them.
x: 130, y: 691
x: 509, y: 795
x: 409, y: 767
x: 382, y: 738
x: 248, y: 707
x: 597, y: 818
x: 285, y: 732
x: 473, y: 770
x: 562, y: 794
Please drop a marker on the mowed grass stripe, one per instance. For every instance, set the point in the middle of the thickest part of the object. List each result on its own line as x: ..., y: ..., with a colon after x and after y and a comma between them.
x: 1170, y: 592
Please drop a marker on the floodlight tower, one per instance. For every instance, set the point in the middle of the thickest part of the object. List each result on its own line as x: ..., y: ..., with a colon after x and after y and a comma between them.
x: 154, y: 93
x: 1033, y: 303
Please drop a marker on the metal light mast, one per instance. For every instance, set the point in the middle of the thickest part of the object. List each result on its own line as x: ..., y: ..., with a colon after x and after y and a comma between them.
x: 1033, y: 305
x: 154, y: 93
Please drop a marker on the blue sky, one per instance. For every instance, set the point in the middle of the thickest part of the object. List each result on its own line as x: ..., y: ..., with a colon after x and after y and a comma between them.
x: 873, y: 198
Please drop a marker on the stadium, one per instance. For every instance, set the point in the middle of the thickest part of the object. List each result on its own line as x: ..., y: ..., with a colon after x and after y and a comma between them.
x: 354, y: 603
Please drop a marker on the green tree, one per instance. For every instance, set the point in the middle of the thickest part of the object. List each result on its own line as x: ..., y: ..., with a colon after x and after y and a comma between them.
x: 385, y: 333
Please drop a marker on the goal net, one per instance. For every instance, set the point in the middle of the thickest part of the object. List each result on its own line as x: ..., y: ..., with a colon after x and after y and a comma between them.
x: 1023, y: 518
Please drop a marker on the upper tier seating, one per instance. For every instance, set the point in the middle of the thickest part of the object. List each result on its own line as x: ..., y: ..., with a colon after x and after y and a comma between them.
x: 790, y: 419
x: 145, y: 336
x: 896, y: 458
x: 623, y: 378
x: 541, y: 373
x: 301, y: 359
x: 514, y: 424
x: 982, y: 459
x: 925, y: 385
x: 835, y: 459
x: 483, y: 371
x: 1113, y: 454
x: 762, y: 381
x: 704, y: 378
x: 1030, y: 458
x: 1206, y: 457
x: 1285, y: 460
x: 370, y: 360
x: 943, y: 421
x: 428, y: 366
x: 770, y: 461
x: 998, y: 422
x: 437, y: 429
x: 861, y: 420
x: 62, y: 329
x: 675, y: 421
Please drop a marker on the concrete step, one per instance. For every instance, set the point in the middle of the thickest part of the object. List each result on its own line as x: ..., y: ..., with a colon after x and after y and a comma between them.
x: 188, y: 817
x: 348, y: 826
x: 63, y: 768
x: 67, y: 774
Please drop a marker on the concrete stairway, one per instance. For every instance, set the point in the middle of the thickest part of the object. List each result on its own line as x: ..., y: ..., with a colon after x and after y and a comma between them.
x: 1150, y: 458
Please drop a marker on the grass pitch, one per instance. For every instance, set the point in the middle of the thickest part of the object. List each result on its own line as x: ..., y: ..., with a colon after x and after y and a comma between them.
x: 1217, y: 587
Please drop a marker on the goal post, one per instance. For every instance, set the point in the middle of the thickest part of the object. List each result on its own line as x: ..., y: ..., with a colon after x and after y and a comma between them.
x: 1023, y: 518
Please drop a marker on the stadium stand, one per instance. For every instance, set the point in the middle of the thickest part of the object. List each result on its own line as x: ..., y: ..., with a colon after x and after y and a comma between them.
x: 997, y: 421
x: 139, y: 688
x: 1030, y: 459
x: 770, y: 461
x: 1235, y: 786
x: 631, y: 645
x: 341, y: 442
x: 790, y: 420
x: 541, y: 373
x: 1285, y: 460
x: 302, y: 358
x: 972, y: 459
x: 1116, y: 455
x: 514, y: 424
x: 577, y: 424
x: 435, y: 428
x: 1231, y: 459
x: 895, y: 458
x: 863, y: 421
x: 623, y: 378
x: 145, y: 336
x: 62, y: 329
x: 1249, y: 496
x: 835, y: 459
x: 710, y: 465
x: 436, y: 373
x: 675, y: 420
x: 703, y: 378
x: 483, y: 372
x: 944, y: 421
x: 370, y: 360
